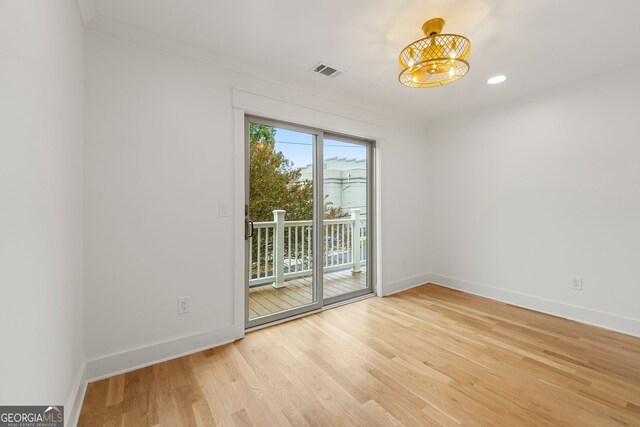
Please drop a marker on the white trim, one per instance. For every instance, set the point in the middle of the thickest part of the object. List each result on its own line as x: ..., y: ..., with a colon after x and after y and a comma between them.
x: 136, y: 358
x: 614, y: 322
x: 304, y: 114
x: 589, y: 316
x: 238, y: 221
x: 76, y: 397
x: 405, y: 284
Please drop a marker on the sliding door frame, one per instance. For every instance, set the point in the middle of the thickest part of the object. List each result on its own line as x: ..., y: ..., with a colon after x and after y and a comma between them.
x: 371, y: 242
x: 318, y: 301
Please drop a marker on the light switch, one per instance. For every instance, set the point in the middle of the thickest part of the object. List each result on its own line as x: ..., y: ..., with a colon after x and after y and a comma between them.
x: 224, y: 209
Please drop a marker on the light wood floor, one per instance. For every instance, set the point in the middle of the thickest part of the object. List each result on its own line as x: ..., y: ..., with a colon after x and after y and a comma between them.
x: 427, y: 356
x: 267, y: 299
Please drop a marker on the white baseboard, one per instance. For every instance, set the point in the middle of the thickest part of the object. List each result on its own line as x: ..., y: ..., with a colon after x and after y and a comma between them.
x: 74, y: 401
x: 614, y: 322
x: 114, y: 364
x: 404, y: 284
x: 586, y: 315
x: 130, y: 360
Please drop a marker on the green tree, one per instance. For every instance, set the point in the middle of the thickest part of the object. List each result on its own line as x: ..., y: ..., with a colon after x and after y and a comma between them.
x: 274, y: 182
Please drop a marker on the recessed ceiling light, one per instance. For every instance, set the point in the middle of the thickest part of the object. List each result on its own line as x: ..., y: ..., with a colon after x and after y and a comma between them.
x: 496, y: 79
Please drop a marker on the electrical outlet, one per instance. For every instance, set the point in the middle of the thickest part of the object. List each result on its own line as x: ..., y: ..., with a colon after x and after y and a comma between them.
x: 576, y: 283
x: 184, y: 305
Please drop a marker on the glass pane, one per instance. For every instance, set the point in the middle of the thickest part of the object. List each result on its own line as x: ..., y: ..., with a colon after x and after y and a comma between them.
x: 345, y: 217
x: 281, y: 208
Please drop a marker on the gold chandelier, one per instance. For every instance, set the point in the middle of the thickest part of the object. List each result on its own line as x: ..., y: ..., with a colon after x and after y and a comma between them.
x: 435, y: 60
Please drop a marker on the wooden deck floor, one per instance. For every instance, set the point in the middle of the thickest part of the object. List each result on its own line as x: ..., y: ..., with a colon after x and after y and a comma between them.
x: 266, y: 299
x: 429, y: 356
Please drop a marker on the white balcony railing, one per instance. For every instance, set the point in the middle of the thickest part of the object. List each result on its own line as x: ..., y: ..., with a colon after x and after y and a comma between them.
x: 281, y: 250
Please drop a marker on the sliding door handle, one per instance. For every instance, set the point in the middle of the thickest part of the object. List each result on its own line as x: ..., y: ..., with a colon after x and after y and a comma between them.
x: 248, y: 226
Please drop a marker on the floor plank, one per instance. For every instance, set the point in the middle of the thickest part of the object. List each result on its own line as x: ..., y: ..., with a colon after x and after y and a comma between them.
x: 427, y: 356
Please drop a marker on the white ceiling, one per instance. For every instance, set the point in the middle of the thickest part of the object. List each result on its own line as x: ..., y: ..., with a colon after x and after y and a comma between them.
x: 538, y: 44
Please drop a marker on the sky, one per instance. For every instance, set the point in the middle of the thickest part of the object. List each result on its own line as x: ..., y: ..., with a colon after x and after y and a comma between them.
x: 297, y: 147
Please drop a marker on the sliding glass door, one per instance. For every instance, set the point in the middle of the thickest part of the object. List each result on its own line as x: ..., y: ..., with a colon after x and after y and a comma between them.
x: 346, y: 191
x: 307, y: 219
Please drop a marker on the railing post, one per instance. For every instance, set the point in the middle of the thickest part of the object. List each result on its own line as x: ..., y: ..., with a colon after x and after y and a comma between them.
x: 278, y: 249
x: 355, y: 240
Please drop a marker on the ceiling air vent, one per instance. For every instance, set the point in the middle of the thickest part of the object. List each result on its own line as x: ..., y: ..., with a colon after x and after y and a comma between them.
x: 326, y: 70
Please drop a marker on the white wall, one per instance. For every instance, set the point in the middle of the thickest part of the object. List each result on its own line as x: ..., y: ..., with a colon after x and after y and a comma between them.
x: 159, y: 158
x: 41, y: 210
x: 523, y: 198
